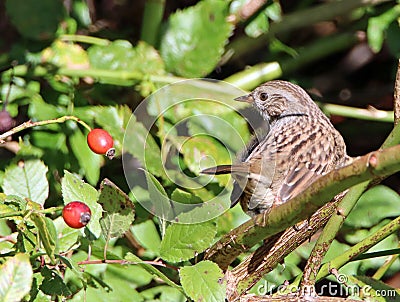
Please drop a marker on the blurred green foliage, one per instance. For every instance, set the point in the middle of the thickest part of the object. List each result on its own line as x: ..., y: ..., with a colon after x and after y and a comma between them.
x: 71, y: 62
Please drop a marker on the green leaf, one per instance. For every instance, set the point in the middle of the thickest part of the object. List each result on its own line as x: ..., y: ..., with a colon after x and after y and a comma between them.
x: 373, y: 206
x: 40, y: 110
x: 75, y: 189
x: 81, y: 12
x: 114, y: 284
x: 37, y: 295
x: 53, y: 284
x: 27, y: 180
x: 392, y: 40
x: 184, y: 241
x: 230, y: 128
x: 202, y: 152
x: 215, y: 118
x: 35, y: 20
x: 152, y: 270
x: 181, y: 196
x: 63, y: 54
x: 159, y: 203
x: 204, y: 282
x: 67, y: 237
x: 97, y: 247
x: 353, y: 236
x: 377, y: 27
x: 89, y: 161
x: 195, y: 38
x: 184, y: 99
x: 205, y: 211
x: 163, y: 293
x: 114, y: 120
x: 139, y: 143
x: 258, y: 26
x: 147, y: 235
x: 15, y: 278
x: 72, y: 265
x: 120, y: 55
x: 391, y: 242
x: 47, y: 233
x: 48, y: 140
x: 118, y: 210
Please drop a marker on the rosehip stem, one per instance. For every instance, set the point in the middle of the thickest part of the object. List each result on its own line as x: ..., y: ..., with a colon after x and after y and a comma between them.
x: 24, y: 212
x: 30, y: 124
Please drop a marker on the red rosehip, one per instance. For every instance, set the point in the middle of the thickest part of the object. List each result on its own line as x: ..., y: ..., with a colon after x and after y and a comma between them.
x: 76, y: 214
x: 100, y: 141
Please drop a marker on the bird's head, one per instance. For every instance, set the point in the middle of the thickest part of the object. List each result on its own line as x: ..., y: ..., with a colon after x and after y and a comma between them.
x: 277, y: 99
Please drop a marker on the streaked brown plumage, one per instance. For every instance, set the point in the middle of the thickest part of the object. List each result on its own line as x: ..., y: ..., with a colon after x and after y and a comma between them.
x: 300, y: 146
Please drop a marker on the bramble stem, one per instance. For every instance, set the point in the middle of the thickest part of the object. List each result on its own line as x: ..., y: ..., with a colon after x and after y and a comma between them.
x: 371, y: 114
x: 30, y: 124
x: 359, y: 248
x: 396, y: 102
x: 346, y: 205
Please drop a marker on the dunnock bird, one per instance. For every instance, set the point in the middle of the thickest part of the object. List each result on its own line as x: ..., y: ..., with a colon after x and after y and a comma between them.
x: 300, y: 146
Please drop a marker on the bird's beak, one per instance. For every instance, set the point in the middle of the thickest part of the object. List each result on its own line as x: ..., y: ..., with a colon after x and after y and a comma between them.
x: 245, y: 98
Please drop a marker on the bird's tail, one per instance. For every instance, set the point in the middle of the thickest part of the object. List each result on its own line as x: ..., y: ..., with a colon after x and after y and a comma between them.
x: 226, y: 169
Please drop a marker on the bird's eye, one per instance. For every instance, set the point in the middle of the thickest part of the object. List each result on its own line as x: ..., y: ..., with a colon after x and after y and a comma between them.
x: 263, y: 96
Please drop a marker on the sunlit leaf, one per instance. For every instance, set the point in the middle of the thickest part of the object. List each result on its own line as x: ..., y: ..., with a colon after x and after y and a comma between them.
x: 15, y: 278
x: 120, y: 55
x: 140, y: 143
x: 47, y: 233
x: 373, y: 206
x: 75, y: 189
x: 88, y: 160
x: 27, y: 179
x: 118, y: 210
x: 147, y: 235
x: 204, y: 282
x: 67, y: 55
x: 184, y: 241
x: 195, y: 38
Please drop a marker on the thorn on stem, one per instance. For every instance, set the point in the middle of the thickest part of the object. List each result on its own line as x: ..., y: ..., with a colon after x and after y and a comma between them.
x: 340, y: 212
x: 373, y: 160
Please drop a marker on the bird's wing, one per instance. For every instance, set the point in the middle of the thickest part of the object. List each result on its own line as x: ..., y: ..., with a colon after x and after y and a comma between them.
x: 313, y: 152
